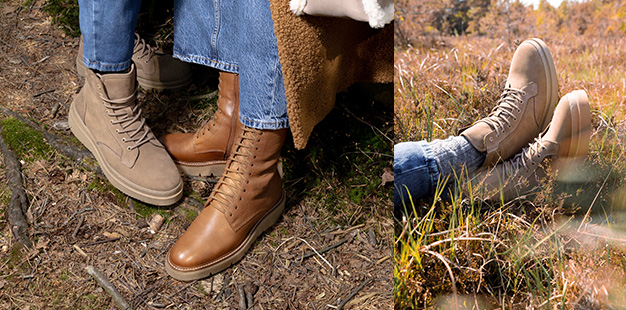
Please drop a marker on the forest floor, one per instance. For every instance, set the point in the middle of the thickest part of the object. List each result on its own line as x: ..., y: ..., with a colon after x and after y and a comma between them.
x: 338, y: 192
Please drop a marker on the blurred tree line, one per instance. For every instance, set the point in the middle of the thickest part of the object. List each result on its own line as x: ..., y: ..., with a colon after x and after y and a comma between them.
x: 507, y: 19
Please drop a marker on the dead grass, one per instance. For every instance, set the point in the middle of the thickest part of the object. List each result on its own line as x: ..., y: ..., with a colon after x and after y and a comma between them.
x: 539, y: 251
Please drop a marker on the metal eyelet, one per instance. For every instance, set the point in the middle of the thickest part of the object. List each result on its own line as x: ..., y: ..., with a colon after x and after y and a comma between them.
x: 128, y: 148
x: 123, y: 139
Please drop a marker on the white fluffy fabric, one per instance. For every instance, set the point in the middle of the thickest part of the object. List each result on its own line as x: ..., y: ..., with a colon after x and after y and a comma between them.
x: 297, y: 6
x: 378, y: 16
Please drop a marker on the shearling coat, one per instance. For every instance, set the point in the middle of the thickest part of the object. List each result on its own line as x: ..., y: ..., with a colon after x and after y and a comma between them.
x: 321, y: 56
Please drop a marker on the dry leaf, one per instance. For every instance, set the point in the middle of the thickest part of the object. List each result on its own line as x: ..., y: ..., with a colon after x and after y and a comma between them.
x: 387, y: 176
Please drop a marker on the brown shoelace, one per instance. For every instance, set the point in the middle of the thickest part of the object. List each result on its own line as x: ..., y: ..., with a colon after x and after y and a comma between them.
x: 236, y: 170
x: 142, y: 48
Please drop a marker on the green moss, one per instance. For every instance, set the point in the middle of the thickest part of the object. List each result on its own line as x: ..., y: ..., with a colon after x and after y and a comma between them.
x: 146, y: 211
x: 189, y: 215
x: 64, y: 14
x: 102, y: 185
x: 27, y: 143
x: 15, y: 258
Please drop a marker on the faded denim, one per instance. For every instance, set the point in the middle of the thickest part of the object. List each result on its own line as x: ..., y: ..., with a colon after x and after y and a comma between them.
x: 232, y: 36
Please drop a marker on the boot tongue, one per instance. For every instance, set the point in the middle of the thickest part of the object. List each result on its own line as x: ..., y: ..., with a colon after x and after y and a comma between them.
x: 119, y: 85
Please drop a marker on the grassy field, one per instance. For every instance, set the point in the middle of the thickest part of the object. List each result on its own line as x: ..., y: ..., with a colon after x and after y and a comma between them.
x: 565, y: 246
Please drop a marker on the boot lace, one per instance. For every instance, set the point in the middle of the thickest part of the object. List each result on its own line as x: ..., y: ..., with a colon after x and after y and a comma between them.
x: 130, y: 120
x: 208, y: 124
x: 142, y: 48
x: 527, y: 159
x: 236, y: 170
x: 500, y: 117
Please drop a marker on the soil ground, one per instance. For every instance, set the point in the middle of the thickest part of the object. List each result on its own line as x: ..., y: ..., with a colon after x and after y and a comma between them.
x: 77, y: 219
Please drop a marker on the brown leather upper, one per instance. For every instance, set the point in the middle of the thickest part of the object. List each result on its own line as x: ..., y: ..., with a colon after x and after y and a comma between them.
x: 248, y: 190
x: 213, y: 140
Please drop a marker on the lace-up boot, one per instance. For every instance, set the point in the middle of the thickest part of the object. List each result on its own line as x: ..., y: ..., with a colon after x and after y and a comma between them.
x: 524, y: 108
x: 155, y: 69
x: 106, y: 118
x: 248, y: 199
x: 204, y: 153
x: 562, y: 147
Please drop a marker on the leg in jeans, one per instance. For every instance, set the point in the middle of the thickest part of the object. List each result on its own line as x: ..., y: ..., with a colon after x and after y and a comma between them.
x: 108, y: 33
x: 263, y: 102
x: 249, y: 197
x: 105, y: 116
x: 420, y: 166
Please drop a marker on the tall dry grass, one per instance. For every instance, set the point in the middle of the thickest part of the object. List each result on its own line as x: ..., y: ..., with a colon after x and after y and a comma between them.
x: 564, y: 247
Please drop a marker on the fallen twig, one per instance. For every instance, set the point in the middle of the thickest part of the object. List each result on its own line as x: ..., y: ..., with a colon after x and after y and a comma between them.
x: 77, y: 212
x: 356, y: 291
x: 108, y: 287
x: 43, y: 92
x: 242, y: 297
x: 249, y: 300
x: 102, y: 241
x: 324, y: 250
x: 208, y: 96
x: 19, y: 202
x: 80, y: 223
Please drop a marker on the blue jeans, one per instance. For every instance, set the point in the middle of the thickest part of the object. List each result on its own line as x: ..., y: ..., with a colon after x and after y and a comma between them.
x: 415, y: 173
x: 108, y: 33
x: 419, y: 167
x: 232, y: 36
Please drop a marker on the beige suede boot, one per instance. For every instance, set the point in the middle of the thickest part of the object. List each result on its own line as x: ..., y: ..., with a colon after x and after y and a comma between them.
x: 204, y: 153
x: 248, y: 199
x: 524, y: 109
x: 155, y: 69
x: 106, y: 118
x: 563, y: 147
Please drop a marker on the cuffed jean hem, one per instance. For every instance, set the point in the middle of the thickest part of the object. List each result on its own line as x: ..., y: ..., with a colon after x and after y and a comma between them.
x: 104, y: 67
x: 205, y: 61
x: 279, y: 124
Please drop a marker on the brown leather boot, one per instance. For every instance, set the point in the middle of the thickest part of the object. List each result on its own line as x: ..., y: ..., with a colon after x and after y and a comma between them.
x: 205, y: 152
x: 155, y: 69
x: 524, y: 109
x: 248, y: 199
x: 106, y: 118
x: 563, y: 146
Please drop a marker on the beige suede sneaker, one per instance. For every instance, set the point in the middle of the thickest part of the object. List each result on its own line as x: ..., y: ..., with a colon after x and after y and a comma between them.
x: 562, y: 148
x: 155, y: 69
x: 106, y: 118
x: 524, y: 108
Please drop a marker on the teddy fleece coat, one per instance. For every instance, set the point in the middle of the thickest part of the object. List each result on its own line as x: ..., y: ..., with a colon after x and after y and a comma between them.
x: 321, y: 56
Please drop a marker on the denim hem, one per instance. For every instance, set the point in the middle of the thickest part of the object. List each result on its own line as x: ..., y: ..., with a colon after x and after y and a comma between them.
x: 205, y: 61
x: 104, y: 67
x: 264, y: 125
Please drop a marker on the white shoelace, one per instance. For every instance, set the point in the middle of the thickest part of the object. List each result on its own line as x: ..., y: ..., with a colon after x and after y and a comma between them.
x: 525, y: 159
x: 499, y: 118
